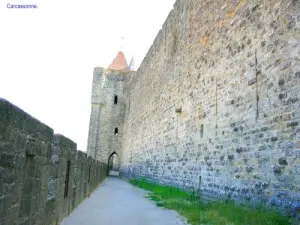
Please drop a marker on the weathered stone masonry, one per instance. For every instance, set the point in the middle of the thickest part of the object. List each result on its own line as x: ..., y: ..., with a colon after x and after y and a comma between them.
x: 42, y: 176
x: 233, y: 70
x: 107, y: 113
x: 215, y: 104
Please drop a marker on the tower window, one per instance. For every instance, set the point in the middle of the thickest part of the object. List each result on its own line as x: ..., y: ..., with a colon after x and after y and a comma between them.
x: 202, y: 130
x: 116, y: 100
x: 116, y: 131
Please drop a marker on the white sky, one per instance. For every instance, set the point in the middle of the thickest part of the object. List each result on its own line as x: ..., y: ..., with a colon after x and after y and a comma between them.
x: 47, y: 55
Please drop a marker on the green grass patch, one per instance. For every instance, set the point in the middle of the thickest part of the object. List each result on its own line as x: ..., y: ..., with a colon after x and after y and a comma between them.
x: 212, y: 213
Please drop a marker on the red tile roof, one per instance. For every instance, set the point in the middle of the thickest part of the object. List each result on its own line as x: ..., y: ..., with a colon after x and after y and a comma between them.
x: 119, y: 63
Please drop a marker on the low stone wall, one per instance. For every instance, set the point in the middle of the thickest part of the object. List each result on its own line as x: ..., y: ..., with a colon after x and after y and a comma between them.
x: 42, y: 175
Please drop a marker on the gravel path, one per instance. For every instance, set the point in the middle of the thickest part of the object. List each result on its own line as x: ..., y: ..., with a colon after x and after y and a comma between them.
x: 115, y: 202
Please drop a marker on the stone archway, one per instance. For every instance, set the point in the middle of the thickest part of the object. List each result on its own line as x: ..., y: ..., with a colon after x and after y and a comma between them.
x: 113, y: 164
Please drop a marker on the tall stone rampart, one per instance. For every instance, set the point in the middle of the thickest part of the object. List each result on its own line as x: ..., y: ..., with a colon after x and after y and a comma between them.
x: 215, y: 103
x: 42, y: 175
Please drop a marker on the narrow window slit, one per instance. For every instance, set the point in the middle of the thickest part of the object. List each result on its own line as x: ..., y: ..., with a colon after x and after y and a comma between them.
x: 67, y: 179
x: 202, y: 130
x: 89, y: 180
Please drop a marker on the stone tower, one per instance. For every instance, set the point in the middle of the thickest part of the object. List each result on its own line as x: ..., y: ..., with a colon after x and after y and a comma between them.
x: 108, y: 104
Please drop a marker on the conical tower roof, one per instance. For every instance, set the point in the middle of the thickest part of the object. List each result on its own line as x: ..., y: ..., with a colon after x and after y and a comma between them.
x: 119, y: 63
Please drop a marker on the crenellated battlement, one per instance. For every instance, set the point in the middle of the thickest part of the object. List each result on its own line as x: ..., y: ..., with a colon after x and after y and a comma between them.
x: 43, y: 177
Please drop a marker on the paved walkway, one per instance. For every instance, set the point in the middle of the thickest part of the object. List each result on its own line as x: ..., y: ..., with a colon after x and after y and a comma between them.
x: 116, y: 202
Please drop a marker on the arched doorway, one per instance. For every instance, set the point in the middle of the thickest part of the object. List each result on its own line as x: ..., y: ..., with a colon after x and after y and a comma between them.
x: 113, y: 164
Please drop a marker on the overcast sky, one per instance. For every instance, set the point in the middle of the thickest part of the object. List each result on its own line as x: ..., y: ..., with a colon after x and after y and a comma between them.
x: 47, y: 55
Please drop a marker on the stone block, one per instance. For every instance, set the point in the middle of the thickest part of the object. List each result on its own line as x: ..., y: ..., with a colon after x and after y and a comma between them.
x: 25, y: 207
x: 7, y: 160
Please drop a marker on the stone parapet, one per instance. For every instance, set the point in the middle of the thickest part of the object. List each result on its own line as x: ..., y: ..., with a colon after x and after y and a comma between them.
x: 42, y: 176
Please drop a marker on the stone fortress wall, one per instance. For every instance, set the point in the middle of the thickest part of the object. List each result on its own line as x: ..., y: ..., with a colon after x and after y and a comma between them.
x: 215, y: 104
x: 107, y: 113
x: 42, y: 175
